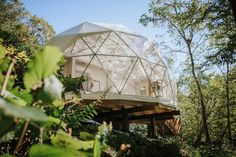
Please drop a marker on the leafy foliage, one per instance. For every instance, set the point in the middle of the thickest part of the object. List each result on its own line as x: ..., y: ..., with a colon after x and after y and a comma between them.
x: 72, y: 84
x: 63, y: 144
x: 28, y: 113
x: 205, y: 32
x: 46, y: 150
x: 20, y: 29
x: 186, y: 22
x: 22, y: 34
x: 42, y: 66
x: 43, y: 93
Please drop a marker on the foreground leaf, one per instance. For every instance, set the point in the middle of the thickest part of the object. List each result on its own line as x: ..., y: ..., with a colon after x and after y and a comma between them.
x: 42, y: 66
x: 65, y: 140
x: 51, y: 91
x: 14, y: 99
x: 50, y: 151
x: 86, y: 136
x: 6, y: 155
x: 97, y: 150
x: 54, y: 151
x: 8, y: 124
x: 29, y: 113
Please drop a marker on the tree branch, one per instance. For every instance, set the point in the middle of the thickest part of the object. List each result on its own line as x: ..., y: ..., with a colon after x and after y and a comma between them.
x: 21, y: 137
x: 4, y: 85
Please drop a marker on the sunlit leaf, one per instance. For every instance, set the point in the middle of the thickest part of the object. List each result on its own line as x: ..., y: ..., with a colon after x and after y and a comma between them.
x: 53, y: 120
x: 2, y: 51
x: 50, y: 151
x: 65, y: 140
x: 23, y: 94
x: 42, y: 66
x: 59, y: 103
x: 14, y: 99
x: 97, y: 148
x: 54, y: 151
x: 86, y: 136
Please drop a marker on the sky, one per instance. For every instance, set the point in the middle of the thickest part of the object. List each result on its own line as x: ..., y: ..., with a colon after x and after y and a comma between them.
x: 64, y: 14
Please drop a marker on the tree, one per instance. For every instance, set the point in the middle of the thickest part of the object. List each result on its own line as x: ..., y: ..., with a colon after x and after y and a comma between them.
x: 223, y: 40
x: 214, y: 90
x: 233, y: 6
x: 23, y: 31
x: 185, y: 19
x: 19, y: 28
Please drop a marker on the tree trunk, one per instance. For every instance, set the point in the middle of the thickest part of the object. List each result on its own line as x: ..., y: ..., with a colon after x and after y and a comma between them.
x: 233, y: 6
x: 228, y: 102
x: 199, y: 136
x: 200, y: 95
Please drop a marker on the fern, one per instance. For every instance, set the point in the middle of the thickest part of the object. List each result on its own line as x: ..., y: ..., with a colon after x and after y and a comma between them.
x: 76, y: 112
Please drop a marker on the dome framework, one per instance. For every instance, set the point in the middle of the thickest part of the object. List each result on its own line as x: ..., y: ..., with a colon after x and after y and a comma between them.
x: 115, y: 57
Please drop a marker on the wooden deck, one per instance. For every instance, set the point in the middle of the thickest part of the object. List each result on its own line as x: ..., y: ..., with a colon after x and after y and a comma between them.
x: 123, y: 110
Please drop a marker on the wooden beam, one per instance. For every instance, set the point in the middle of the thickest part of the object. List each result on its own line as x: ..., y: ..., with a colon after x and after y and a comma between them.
x: 152, y: 127
x: 157, y: 116
x: 128, y: 110
x: 133, y: 119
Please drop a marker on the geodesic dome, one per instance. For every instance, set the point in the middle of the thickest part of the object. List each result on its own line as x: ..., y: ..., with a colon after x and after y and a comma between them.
x: 114, y: 56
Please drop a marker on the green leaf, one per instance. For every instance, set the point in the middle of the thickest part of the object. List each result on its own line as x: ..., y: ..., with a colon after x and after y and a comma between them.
x: 53, y: 120
x: 4, y: 64
x: 52, y: 90
x: 97, y: 148
x: 2, y: 51
x: 42, y: 66
x: 54, y: 151
x: 23, y: 94
x: 28, y: 113
x: 59, y: 103
x: 14, y: 99
x: 8, y: 124
x: 86, y: 136
x: 1, y: 79
x: 65, y: 140
x: 6, y: 155
x: 50, y: 151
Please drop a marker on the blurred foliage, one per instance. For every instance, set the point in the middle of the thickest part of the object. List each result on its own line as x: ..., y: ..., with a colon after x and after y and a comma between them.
x: 36, y: 119
x: 20, y: 29
x: 142, y: 146
x: 38, y: 114
x: 22, y: 34
x: 72, y: 84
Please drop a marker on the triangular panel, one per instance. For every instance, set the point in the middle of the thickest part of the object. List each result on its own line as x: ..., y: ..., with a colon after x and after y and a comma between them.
x: 78, y: 48
x: 96, y: 41
x: 114, y: 45
x: 96, y: 78
x: 138, y: 82
x: 118, y: 68
x: 155, y: 71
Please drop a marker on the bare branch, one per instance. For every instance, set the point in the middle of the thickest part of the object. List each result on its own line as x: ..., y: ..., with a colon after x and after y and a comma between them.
x: 199, y: 44
x: 4, y: 85
x: 21, y: 137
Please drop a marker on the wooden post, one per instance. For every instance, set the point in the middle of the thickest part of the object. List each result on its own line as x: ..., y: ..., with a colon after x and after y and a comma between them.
x: 125, y: 126
x: 152, y: 127
x: 149, y: 133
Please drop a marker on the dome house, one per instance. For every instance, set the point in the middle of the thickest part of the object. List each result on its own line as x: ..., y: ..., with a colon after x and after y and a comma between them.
x: 115, y: 57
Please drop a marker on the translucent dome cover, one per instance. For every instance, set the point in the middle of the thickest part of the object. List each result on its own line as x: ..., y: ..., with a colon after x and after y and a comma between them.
x: 114, y: 56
